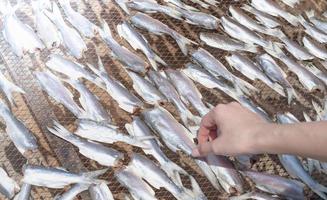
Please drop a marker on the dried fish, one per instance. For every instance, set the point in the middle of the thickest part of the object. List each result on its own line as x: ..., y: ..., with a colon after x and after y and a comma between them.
x: 264, y: 18
x: 92, y: 150
x: 317, y: 72
x: 8, y: 186
x: 54, y: 88
x: 22, y: 138
x: 72, y: 192
x: 81, y: 23
x: 8, y: 88
x: 151, y: 6
x: 313, y: 31
x: 20, y: 36
x: 126, y: 57
x: 146, y: 89
x: 45, y: 29
x: 296, y: 49
x: 315, y: 48
x: 57, y: 177
x: 188, y: 91
x: 168, y: 90
x: 24, y: 193
x: 226, y: 43
x: 135, y: 185
x: 138, y: 41
x: 276, y: 74
x: 320, y: 24
x: 100, y: 192
x: 254, y: 195
x: 106, y: 133
x: 71, y: 38
x: 180, y: 4
x: 291, y: 3
x: 276, y: 185
x: 154, y: 26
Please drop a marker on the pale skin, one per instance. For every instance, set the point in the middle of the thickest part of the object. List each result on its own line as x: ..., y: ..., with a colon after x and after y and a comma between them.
x: 230, y: 129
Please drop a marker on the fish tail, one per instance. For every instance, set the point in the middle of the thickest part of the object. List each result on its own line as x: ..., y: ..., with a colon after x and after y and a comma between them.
x: 306, y: 117
x: 123, y: 6
x: 174, y: 171
x: 248, y: 195
x: 244, y: 160
x: 196, y: 190
x: 319, y: 110
x: 310, y: 13
x: 274, y: 50
x: 211, y: 2
x: 62, y: 132
x: 312, y: 165
x: 174, y: 13
x: 251, y: 48
x: 9, y: 88
x: 291, y: 94
x: 319, y: 190
x: 55, y: 16
x: 182, y: 42
x: 95, y: 174
x: 245, y: 86
x: 105, y: 32
x: 154, y: 58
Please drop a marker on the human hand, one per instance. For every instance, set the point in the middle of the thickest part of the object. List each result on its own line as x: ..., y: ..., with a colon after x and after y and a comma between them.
x: 229, y: 129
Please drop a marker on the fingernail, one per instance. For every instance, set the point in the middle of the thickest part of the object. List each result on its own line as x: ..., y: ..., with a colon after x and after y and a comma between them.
x: 195, y: 152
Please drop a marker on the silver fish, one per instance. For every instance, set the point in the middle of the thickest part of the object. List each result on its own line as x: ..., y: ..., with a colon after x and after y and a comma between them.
x: 71, y: 38
x: 315, y: 48
x: 276, y: 185
x: 225, y: 43
x: 71, y: 69
x: 122, y: 4
x: 72, y: 192
x: 264, y: 18
x: 320, y: 24
x: 154, y: 26
x: 127, y: 58
x: 81, y: 23
x: 150, y: 172
x: 272, y: 8
x: 247, y: 103
x: 106, y: 133
x: 253, y: 195
x: 90, y: 103
x: 248, y: 22
x: 24, y: 193
x: 251, y: 70
x: 296, y: 50
x: 203, y: 77
x: 135, y: 185
x: 180, y: 4
x: 188, y: 91
x: 8, y: 186
x: 308, y: 80
x: 294, y: 166
x: 56, y: 177
x: 146, y: 89
x: 291, y: 3
x: 317, y: 72
x: 20, y: 36
x: 138, y: 41
x: 126, y: 100
x: 176, y: 137
x: 100, y: 192
x: 54, y: 88
x: 151, y: 6
x: 168, y: 90
x: 199, y: 18
x: 313, y: 31
x: 8, y: 88
x: 22, y: 138
x: 313, y: 165
x: 92, y: 150
x: 218, y: 70
x: 45, y: 29
x: 276, y: 74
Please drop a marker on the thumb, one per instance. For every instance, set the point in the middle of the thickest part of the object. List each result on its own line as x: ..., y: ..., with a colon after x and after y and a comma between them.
x: 202, y: 149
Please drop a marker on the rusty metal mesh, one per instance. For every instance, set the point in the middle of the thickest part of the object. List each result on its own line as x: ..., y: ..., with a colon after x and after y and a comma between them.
x: 37, y: 110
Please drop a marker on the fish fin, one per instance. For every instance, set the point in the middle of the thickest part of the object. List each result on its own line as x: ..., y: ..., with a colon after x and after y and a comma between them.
x: 182, y: 42
x: 310, y: 13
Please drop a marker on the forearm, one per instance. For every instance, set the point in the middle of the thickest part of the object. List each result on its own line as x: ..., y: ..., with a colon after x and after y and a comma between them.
x: 303, y: 139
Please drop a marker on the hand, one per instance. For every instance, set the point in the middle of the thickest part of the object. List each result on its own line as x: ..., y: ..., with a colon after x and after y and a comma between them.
x: 229, y: 129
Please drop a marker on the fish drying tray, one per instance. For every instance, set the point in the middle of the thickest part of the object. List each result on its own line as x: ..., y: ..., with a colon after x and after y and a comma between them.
x: 37, y: 110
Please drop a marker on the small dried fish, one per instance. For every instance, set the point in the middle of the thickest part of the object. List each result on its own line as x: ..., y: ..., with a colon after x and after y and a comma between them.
x: 71, y: 38
x: 92, y: 150
x: 320, y: 24
x: 57, y: 177
x: 54, y: 88
x: 151, y: 6
x: 180, y: 4
x: 313, y: 31
x: 265, y: 19
x: 276, y: 185
x: 296, y: 49
x: 138, y: 41
x: 127, y: 58
x: 8, y: 88
x: 81, y: 23
x: 24, y: 193
x: 272, y: 8
x: 22, y: 138
x: 188, y: 91
x: 20, y: 36
x: 72, y: 192
x: 315, y: 48
x: 168, y: 90
x: 135, y: 185
x: 317, y: 72
x: 291, y: 3
x: 100, y: 192
x: 8, y: 186
x: 45, y: 29
x: 253, y: 195
x: 146, y: 89
x: 226, y: 43
x: 154, y: 26
x: 106, y: 133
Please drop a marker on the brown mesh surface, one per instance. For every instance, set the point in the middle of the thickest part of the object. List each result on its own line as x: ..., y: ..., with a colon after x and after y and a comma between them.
x: 37, y: 110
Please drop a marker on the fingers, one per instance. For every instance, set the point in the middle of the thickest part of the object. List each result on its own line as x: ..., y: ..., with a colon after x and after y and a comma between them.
x: 202, y: 150
x: 208, y: 124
